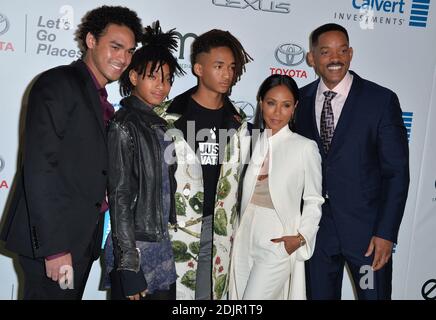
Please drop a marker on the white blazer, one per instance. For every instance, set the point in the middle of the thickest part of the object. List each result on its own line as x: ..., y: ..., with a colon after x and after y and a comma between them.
x: 294, y: 174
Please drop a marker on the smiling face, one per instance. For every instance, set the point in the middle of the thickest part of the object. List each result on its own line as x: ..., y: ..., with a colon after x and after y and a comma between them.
x: 216, y: 70
x: 331, y: 57
x: 278, y: 106
x: 110, y: 55
x: 151, y: 87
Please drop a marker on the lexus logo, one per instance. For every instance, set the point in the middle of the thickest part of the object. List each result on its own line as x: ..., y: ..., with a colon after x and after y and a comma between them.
x: 4, y: 24
x: 2, y: 164
x: 247, y: 107
x: 290, y: 54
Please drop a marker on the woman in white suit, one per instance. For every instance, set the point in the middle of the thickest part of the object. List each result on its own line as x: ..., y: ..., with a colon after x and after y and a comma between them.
x: 275, y: 236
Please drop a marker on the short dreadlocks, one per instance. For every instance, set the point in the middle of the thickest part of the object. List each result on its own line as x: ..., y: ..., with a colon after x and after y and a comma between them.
x: 156, y: 50
x: 218, y: 38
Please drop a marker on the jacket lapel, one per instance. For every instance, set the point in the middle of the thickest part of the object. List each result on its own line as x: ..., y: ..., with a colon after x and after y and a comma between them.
x: 344, y: 121
x: 90, y: 93
x: 311, y: 99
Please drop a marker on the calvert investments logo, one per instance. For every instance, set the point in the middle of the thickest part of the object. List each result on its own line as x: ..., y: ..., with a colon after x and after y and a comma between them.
x: 289, y: 56
x: 413, y: 13
x: 257, y: 5
x: 407, y: 119
x: 419, y: 13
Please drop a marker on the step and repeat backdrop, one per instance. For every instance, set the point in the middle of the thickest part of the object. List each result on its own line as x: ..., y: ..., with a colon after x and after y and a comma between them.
x: 394, y: 45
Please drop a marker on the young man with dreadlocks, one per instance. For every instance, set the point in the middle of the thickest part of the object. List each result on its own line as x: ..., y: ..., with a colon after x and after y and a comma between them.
x: 209, y: 162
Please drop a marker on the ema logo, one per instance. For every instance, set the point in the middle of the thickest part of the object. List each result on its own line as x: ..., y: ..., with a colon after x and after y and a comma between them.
x: 183, y: 47
x: 390, y: 12
x: 407, y: 119
x: 419, y: 13
x: 290, y: 55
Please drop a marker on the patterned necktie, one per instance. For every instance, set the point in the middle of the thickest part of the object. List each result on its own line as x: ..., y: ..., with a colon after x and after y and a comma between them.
x: 327, y: 125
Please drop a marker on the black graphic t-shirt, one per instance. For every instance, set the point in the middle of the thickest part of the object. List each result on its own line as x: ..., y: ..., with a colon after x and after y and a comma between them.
x: 207, y: 147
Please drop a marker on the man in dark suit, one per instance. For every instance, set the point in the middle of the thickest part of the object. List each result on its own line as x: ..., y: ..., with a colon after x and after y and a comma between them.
x: 55, y: 219
x: 363, y: 142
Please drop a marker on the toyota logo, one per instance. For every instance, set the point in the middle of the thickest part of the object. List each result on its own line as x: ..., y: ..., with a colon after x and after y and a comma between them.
x: 247, y: 107
x: 4, y: 24
x: 2, y: 164
x: 290, y: 54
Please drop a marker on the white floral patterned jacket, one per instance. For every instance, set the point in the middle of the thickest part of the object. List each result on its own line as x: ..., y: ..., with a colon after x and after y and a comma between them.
x: 189, y: 200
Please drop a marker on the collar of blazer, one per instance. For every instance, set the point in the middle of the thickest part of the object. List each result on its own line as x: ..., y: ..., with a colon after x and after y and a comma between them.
x: 90, y: 92
x: 263, y: 144
x: 346, y: 114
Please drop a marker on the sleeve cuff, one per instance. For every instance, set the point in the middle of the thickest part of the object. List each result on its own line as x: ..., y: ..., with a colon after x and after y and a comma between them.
x: 132, y: 282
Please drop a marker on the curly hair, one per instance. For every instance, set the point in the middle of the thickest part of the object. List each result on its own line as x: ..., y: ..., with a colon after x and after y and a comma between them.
x: 219, y: 38
x: 156, y: 51
x: 96, y: 21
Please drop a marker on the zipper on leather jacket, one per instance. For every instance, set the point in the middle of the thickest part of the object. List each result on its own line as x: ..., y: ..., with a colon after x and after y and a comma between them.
x: 139, y: 259
x: 172, y: 223
x: 156, y: 147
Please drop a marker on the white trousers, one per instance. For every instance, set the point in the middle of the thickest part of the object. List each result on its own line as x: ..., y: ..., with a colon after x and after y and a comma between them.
x: 261, y: 267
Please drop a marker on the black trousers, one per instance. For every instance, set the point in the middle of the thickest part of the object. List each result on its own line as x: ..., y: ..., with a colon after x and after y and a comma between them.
x: 37, y: 286
x: 117, y: 292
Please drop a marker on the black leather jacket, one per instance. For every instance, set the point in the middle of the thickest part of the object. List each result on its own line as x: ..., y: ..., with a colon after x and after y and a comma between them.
x: 135, y: 181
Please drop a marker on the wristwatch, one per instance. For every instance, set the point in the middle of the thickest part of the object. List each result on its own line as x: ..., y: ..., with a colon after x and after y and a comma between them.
x: 302, y: 240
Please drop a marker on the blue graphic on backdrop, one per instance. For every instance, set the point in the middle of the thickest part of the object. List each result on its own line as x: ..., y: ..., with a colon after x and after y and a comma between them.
x: 407, y: 118
x: 106, y: 228
x: 419, y: 13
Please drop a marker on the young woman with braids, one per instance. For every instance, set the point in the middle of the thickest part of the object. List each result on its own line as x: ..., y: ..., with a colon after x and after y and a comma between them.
x: 139, y: 257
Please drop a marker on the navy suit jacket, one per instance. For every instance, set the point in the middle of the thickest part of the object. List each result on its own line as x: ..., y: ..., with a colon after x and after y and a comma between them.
x: 366, y: 171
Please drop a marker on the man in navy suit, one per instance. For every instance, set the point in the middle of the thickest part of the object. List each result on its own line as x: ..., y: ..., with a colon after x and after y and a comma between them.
x: 365, y: 164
